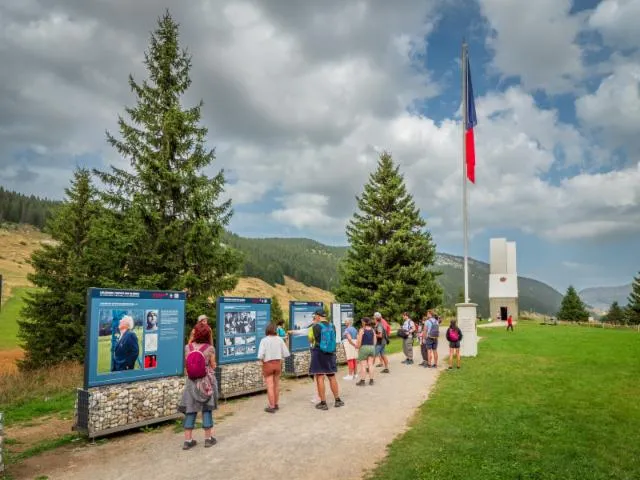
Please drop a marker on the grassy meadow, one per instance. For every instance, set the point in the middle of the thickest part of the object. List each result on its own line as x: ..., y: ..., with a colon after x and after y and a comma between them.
x: 9, y: 319
x: 544, y: 402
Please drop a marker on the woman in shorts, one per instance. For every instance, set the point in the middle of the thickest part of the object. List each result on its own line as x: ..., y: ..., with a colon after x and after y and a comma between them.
x: 349, y: 339
x: 366, y: 351
x: 454, y: 336
x: 271, y: 352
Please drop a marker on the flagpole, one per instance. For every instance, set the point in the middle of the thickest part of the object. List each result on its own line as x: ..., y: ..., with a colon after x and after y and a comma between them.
x: 465, y: 194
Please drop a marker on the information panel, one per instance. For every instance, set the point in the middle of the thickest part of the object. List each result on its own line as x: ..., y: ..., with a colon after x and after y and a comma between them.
x: 133, y: 335
x: 300, y: 320
x: 241, y: 323
x: 339, y: 314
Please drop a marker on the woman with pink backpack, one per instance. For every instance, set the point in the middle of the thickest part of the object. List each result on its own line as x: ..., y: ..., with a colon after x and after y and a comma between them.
x: 201, y: 389
x: 454, y: 336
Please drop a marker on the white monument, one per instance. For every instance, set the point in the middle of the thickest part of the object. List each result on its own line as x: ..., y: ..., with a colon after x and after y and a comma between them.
x: 503, y: 279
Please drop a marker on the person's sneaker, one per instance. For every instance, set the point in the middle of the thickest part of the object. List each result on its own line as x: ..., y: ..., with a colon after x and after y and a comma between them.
x: 458, y: 367
x: 379, y: 365
x: 371, y: 381
x: 386, y: 370
x: 210, y: 442
x: 270, y: 410
x: 189, y: 445
x: 423, y: 363
x: 322, y: 406
x: 348, y: 377
x: 339, y: 403
x: 360, y: 383
x: 450, y: 368
x: 409, y: 362
x: 405, y: 361
x: 277, y: 407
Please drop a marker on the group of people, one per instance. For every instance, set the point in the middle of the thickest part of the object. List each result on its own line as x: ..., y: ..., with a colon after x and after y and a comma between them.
x: 362, y: 348
x: 427, y: 331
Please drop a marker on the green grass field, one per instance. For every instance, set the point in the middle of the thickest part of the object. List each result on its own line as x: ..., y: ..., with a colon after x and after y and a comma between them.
x: 554, y: 402
x: 9, y: 319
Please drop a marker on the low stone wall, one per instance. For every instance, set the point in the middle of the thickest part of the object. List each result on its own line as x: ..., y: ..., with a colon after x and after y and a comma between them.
x: 111, y: 408
x: 1, y: 441
x: 240, y: 378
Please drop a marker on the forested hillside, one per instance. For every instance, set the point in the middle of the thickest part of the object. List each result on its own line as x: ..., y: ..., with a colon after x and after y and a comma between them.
x: 19, y: 208
x: 271, y: 259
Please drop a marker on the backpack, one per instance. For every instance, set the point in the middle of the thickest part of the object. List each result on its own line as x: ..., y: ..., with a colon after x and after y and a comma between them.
x: 453, y: 335
x: 327, y: 338
x: 196, y: 362
x: 387, y: 327
x: 434, y: 331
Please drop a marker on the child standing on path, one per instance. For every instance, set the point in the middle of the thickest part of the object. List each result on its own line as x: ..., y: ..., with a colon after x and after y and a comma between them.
x: 454, y: 336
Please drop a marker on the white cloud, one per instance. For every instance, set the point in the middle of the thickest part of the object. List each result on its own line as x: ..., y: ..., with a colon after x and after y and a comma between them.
x: 301, y: 99
x: 617, y: 21
x: 614, y: 108
x: 535, y: 41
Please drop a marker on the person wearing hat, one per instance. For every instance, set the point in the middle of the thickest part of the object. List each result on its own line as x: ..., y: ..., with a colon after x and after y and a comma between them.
x: 323, y: 364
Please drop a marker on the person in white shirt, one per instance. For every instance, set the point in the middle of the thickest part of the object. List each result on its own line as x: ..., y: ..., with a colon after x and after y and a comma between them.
x: 271, y: 352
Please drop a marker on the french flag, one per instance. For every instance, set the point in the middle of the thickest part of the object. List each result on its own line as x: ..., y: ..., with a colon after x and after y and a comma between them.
x: 470, y: 121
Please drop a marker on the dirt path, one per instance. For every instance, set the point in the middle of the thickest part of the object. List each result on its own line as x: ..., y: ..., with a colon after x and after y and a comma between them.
x: 256, y: 445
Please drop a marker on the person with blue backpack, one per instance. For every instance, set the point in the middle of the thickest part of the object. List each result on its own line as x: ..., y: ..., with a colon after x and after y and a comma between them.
x: 323, y: 359
x: 432, y: 331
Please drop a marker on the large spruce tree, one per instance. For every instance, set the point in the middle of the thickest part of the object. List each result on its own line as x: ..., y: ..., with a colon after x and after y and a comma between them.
x: 388, y: 265
x: 615, y: 315
x: 171, y: 211
x: 53, y: 324
x: 572, y: 309
x: 632, y: 312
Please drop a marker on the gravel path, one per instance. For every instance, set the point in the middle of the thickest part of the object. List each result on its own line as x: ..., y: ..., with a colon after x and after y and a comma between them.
x: 256, y: 445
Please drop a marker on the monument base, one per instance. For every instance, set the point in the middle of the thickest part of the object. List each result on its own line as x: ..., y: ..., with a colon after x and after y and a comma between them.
x: 466, y: 317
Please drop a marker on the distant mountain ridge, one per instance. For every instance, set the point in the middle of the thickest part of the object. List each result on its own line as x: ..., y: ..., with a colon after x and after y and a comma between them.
x: 316, y: 264
x: 601, y: 298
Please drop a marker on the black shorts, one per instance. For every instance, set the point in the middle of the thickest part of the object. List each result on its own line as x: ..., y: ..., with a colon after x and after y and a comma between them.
x: 454, y: 344
x: 322, y: 363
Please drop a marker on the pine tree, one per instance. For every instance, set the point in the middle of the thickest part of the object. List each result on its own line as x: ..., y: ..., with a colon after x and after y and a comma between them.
x: 632, y: 312
x: 53, y: 328
x: 388, y: 264
x: 276, y: 310
x: 572, y: 309
x: 171, y: 210
x: 615, y: 314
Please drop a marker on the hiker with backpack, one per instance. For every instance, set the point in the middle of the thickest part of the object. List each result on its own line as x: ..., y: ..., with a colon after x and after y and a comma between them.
x: 366, y: 351
x: 323, y: 359
x: 201, y: 389
x: 432, y: 331
x: 407, y: 332
x: 454, y: 336
x: 382, y: 339
x: 271, y: 352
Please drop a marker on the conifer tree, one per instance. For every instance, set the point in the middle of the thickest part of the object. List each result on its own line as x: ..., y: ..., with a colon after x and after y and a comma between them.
x: 632, y: 312
x: 171, y: 211
x: 572, y: 309
x: 53, y: 324
x: 276, y: 310
x: 615, y: 314
x: 389, y: 263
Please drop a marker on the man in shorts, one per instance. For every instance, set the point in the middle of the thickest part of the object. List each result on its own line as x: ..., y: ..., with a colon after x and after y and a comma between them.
x: 383, y: 340
x: 432, y: 330
x: 323, y: 364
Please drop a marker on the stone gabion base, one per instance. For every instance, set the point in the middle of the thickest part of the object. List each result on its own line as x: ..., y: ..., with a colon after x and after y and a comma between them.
x: 115, y: 407
x: 1, y: 441
x: 239, y: 379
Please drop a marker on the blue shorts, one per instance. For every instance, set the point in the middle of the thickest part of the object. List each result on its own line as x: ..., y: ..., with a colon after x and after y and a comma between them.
x: 190, y: 420
x: 380, y: 349
x: 432, y: 343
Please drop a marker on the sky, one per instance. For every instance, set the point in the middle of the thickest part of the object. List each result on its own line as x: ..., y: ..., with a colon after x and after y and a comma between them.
x: 300, y: 98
